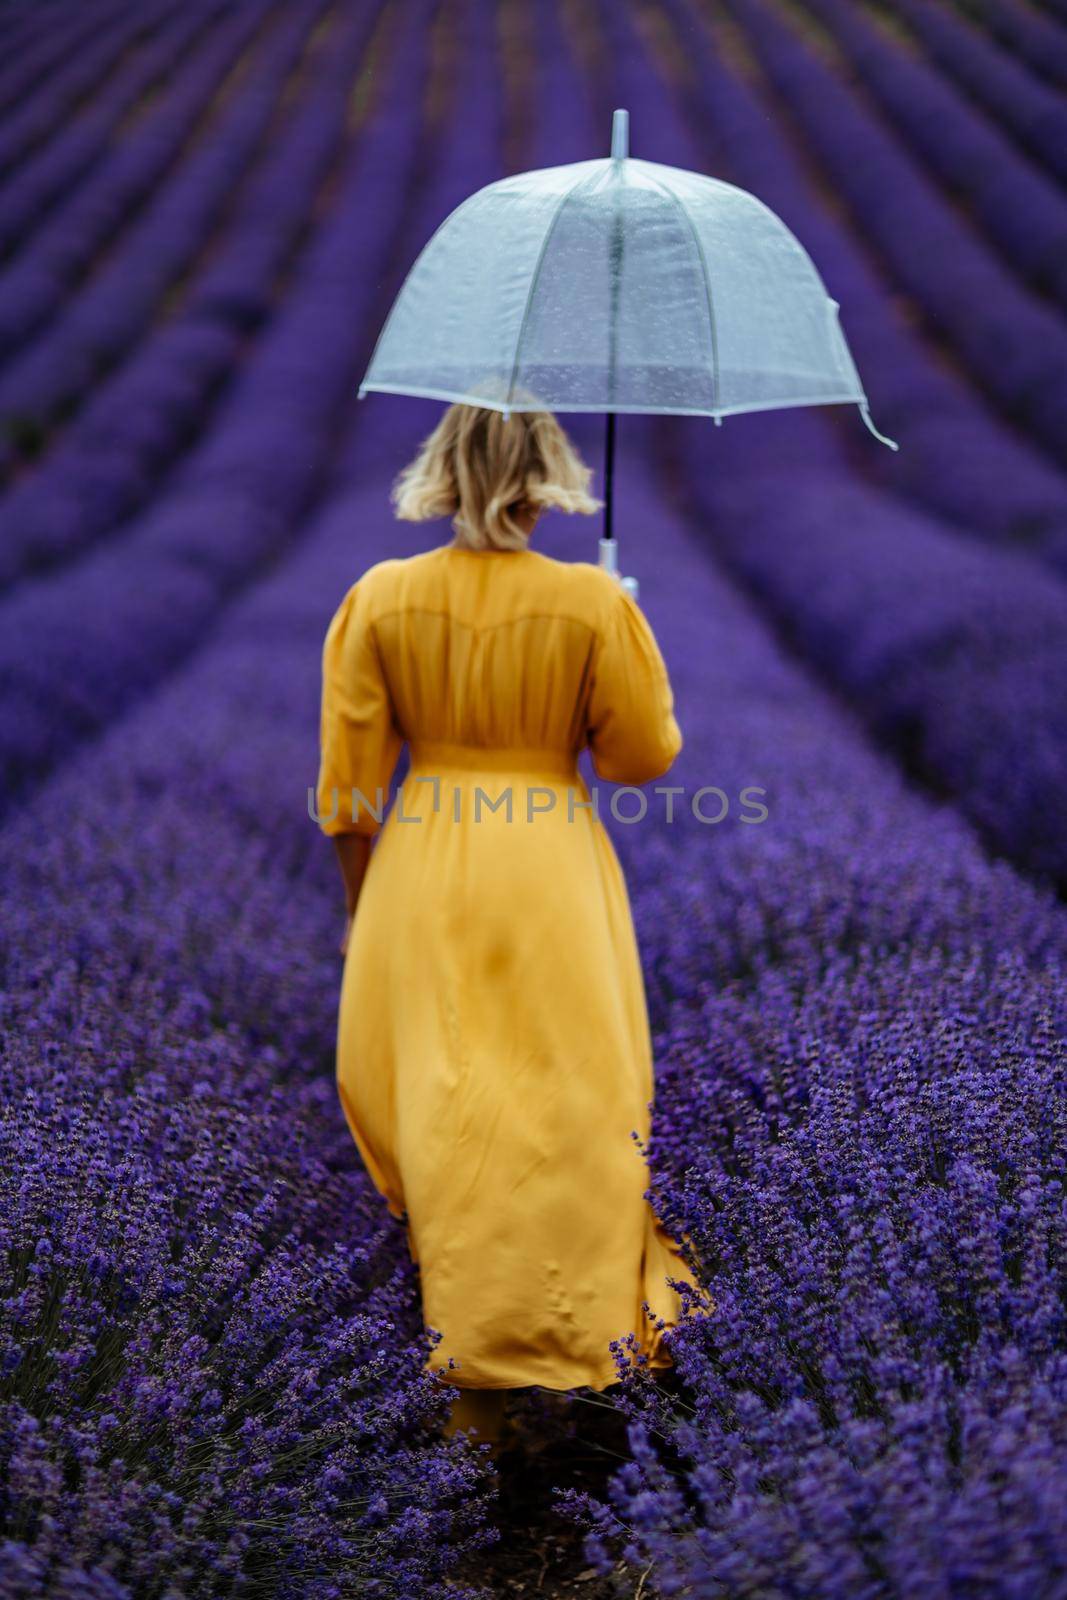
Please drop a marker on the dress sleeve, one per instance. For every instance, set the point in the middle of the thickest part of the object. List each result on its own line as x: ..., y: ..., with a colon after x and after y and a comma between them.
x: 632, y: 731
x: 359, y: 739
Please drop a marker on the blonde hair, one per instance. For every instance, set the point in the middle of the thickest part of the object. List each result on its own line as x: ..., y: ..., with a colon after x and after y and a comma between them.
x: 481, y: 470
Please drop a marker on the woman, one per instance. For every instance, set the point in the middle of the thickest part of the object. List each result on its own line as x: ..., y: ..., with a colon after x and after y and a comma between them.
x: 494, y: 1058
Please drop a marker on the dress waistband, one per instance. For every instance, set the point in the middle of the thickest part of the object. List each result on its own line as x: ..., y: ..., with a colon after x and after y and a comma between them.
x: 546, y: 760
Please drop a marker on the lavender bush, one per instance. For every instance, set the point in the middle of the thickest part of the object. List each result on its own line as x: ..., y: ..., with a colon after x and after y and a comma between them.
x: 875, y: 1384
x: 211, y: 1377
x: 859, y: 1124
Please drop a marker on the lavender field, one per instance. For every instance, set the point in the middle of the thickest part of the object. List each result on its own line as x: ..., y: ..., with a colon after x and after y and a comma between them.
x: 211, y: 1347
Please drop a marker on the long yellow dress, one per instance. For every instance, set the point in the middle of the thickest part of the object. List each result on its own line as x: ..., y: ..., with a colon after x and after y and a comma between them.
x: 494, y: 1058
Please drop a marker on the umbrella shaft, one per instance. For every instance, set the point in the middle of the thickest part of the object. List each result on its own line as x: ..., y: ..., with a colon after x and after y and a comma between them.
x: 609, y: 474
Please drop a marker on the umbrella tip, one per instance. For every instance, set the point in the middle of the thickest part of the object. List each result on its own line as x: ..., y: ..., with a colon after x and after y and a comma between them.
x: 620, y: 135
x: 866, y: 415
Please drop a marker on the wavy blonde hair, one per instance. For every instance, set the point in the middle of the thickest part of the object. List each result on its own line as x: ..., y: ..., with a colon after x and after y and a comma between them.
x: 482, y: 470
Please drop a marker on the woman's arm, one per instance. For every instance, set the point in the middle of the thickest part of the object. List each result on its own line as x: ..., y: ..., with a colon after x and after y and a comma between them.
x: 360, y: 740
x: 632, y: 730
x: 353, y: 853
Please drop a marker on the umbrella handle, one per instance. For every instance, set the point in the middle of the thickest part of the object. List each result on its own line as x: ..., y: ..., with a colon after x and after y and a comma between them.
x: 609, y: 560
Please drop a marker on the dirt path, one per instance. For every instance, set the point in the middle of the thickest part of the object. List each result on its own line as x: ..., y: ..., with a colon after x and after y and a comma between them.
x: 560, y: 1442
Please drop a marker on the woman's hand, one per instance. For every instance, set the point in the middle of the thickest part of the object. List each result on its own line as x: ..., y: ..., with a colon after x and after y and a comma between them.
x: 353, y: 853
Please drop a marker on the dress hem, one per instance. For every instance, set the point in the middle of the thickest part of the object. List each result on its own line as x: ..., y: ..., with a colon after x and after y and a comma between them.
x: 657, y: 1361
x: 599, y: 1385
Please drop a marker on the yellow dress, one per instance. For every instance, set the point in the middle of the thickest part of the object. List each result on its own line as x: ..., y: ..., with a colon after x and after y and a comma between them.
x: 494, y: 1057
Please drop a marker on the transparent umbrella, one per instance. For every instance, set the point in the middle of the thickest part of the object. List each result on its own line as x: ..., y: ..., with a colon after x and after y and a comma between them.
x: 616, y: 285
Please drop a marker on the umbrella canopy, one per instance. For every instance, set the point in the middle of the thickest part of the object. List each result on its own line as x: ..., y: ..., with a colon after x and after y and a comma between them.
x: 616, y: 285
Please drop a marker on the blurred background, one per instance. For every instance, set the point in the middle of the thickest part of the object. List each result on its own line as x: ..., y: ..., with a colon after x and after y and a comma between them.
x: 206, y: 210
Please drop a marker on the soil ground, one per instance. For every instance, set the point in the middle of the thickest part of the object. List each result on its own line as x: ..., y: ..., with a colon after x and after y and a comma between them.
x: 573, y: 1441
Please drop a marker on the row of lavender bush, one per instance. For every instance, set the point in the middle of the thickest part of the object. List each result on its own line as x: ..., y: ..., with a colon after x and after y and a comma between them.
x: 40, y: 277
x: 79, y: 142
x: 1014, y: 343
x: 1023, y: 211
x: 1034, y: 113
x: 859, y: 1024
x: 952, y: 652
x: 108, y: 459
x: 35, y: 50
x: 37, y: 118
x: 961, y: 460
x: 78, y: 645
x: 939, y: 639
x: 103, y: 318
x: 45, y: 179
x: 1035, y: 39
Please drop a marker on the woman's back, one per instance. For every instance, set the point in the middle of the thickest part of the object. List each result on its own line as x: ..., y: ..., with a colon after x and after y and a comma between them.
x: 502, y: 650
x: 490, y: 647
